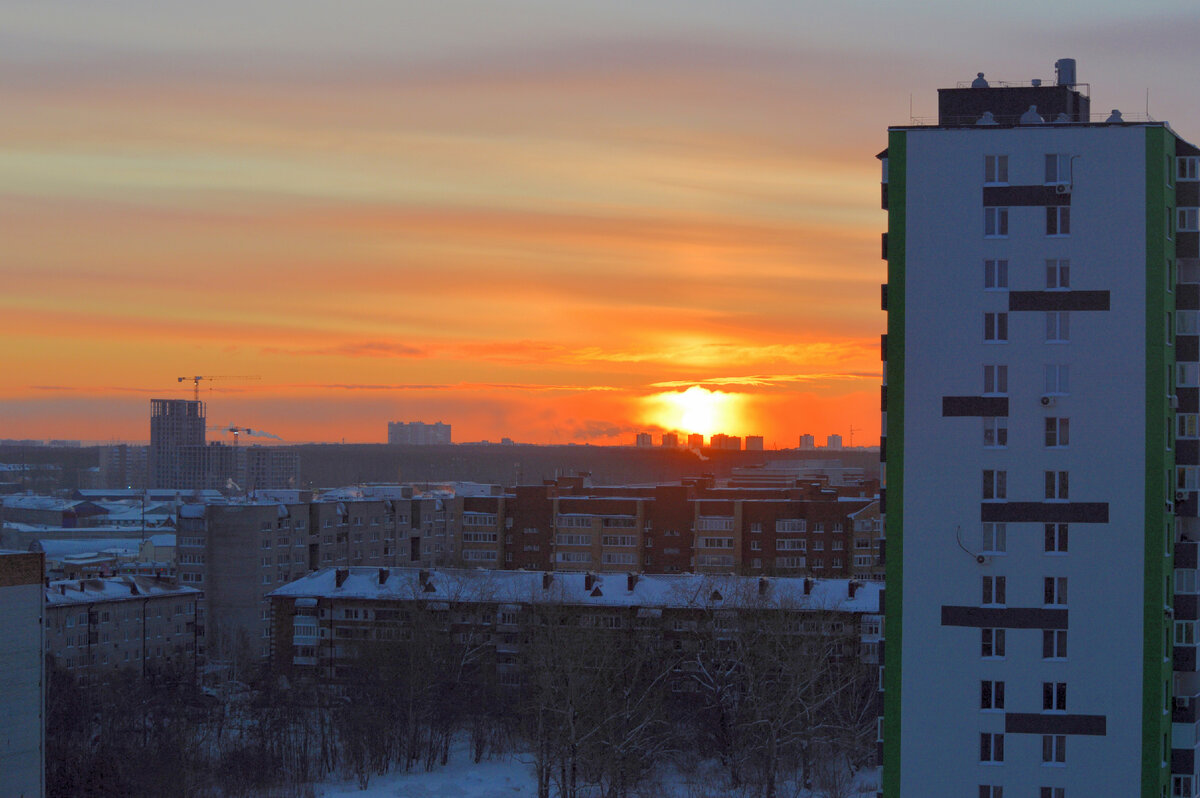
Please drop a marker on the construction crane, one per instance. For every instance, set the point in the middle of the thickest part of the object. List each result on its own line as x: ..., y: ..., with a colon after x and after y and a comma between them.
x: 196, y: 382
x: 236, y: 430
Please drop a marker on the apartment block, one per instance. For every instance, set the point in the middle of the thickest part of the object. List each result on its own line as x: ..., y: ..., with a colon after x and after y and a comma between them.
x: 22, y: 675
x: 1041, y: 448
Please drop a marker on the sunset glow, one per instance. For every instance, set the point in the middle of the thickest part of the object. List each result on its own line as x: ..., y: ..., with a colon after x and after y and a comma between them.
x: 540, y: 222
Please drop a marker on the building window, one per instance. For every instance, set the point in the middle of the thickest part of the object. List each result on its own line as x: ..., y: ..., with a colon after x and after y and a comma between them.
x: 995, y: 432
x: 1057, y: 432
x: 995, y: 484
x: 1054, y: 644
x: 1056, y: 538
x: 1187, y: 220
x: 991, y: 747
x: 995, y: 379
x: 995, y: 222
x: 995, y: 274
x: 1057, y: 485
x: 991, y: 695
x: 1058, y: 220
x: 1058, y: 326
x: 1185, y: 633
x: 1181, y: 787
x: 1187, y: 168
x: 1187, y: 477
x: 995, y: 538
x: 994, y: 590
x: 1054, y: 591
x: 1185, y: 580
x: 991, y: 791
x: 1187, y: 322
x: 1058, y: 168
x: 1187, y: 375
x: 1054, y: 696
x: 1057, y: 379
x: 1054, y: 749
x: 991, y: 643
x: 995, y: 169
x: 1058, y: 273
x: 995, y: 327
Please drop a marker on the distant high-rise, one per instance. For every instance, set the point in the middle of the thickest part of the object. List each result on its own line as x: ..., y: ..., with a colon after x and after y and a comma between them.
x: 418, y: 433
x: 177, y: 433
x: 643, y: 440
x: 695, y: 441
x: 670, y: 440
x: 808, y: 442
x: 833, y: 441
x: 754, y: 443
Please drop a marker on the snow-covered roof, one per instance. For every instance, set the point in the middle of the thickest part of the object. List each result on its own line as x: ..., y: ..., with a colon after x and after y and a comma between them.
x: 607, y: 590
x: 26, y: 502
x: 65, y: 592
x: 58, y: 549
x: 161, y: 540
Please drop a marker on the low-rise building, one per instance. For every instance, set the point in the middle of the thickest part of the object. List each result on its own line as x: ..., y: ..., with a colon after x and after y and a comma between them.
x: 22, y: 675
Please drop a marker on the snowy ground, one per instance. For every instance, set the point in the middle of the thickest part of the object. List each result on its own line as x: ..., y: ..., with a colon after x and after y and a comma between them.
x: 513, y: 778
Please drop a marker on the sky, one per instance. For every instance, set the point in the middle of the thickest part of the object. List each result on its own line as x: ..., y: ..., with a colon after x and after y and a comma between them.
x: 549, y: 221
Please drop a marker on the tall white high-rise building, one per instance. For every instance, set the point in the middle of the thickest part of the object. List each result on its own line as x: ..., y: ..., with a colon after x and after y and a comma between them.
x: 1041, y: 452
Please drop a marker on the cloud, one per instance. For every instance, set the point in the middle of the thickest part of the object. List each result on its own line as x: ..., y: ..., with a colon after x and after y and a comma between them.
x: 353, y: 349
x: 769, y: 380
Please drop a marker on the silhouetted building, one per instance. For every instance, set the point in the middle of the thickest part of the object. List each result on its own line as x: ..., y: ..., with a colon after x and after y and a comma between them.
x: 177, y: 434
x: 418, y: 433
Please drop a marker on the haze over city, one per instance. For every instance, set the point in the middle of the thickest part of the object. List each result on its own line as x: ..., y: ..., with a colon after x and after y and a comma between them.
x: 556, y: 224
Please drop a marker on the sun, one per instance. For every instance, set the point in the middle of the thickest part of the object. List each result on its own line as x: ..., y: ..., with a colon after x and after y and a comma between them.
x: 696, y: 410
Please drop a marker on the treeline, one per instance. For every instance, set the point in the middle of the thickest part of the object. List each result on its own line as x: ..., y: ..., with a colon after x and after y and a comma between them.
x: 775, y: 698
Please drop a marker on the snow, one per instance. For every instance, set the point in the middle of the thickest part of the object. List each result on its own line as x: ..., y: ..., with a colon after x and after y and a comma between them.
x: 497, y: 778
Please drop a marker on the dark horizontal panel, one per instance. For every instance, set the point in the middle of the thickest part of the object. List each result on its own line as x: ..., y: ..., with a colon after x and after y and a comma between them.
x: 1187, y: 245
x: 1183, y: 760
x: 1185, y: 605
x: 1036, y: 723
x: 1187, y: 348
x: 1189, y: 399
x: 1004, y: 617
x: 974, y: 406
x: 1187, y: 296
x: 1045, y: 512
x: 1185, y: 554
x: 1187, y: 451
x: 1187, y: 194
x: 1024, y: 195
x: 1058, y: 300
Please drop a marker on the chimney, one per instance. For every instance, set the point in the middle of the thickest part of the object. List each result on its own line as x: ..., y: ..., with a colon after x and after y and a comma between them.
x: 631, y: 581
x: 589, y: 579
x: 339, y: 576
x: 383, y: 575
x: 546, y: 580
x: 808, y: 585
x: 763, y: 584
x: 853, y: 587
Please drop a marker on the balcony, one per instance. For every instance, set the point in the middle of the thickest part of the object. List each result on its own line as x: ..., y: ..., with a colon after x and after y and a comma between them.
x: 1185, y: 554
x: 1183, y: 710
x: 1184, y: 658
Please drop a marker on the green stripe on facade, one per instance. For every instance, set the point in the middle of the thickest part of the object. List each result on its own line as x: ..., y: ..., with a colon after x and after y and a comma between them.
x: 1160, y: 370
x: 897, y: 174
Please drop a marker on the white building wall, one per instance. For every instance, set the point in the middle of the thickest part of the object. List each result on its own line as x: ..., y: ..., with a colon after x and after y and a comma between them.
x: 944, y: 459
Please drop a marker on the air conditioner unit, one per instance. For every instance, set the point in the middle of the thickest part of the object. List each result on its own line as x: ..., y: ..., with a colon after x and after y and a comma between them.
x: 1048, y: 401
x: 1062, y: 188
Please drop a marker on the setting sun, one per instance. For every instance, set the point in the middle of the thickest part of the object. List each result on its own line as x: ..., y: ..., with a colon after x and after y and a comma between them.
x: 696, y: 410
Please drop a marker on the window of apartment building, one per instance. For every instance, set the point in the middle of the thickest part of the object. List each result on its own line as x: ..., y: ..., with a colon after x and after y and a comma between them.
x: 1058, y: 168
x: 1058, y: 326
x: 790, y: 525
x: 995, y: 432
x: 756, y: 545
x: 995, y: 222
x: 995, y: 275
x: 791, y: 544
x: 1187, y: 322
x: 1185, y: 580
x: 1187, y: 375
x: 1058, y: 274
x: 837, y: 562
x: 1054, y: 696
x: 1057, y: 485
x: 995, y: 379
x: 1058, y: 220
x: 266, y: 543
x: 756, y: 527
x: 1054, y: 591
x: 838, y: 545
x: 991, y: 747
x: 1187, y: 477
x: 994, y: 590
x: 1054, y: 644
x: 995, y: 484
x: 1185, y: 633
x: 818, y: 545
x: 1187, y: 168
x: 818, y: 526
x: 1054, y: 749
x: 1057, y: 431
x: 991, y: 791
x: 995, y: 538
x: 995, y: 327
x: 991, y: 643
x: 1057, y: 379
x: 1187, y: 220
x: 1181, y: 787
x: 716, y: 543
x: 995, y: 169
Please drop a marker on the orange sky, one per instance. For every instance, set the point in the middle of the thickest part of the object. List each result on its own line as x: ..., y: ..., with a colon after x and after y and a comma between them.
x: 523, y: 228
